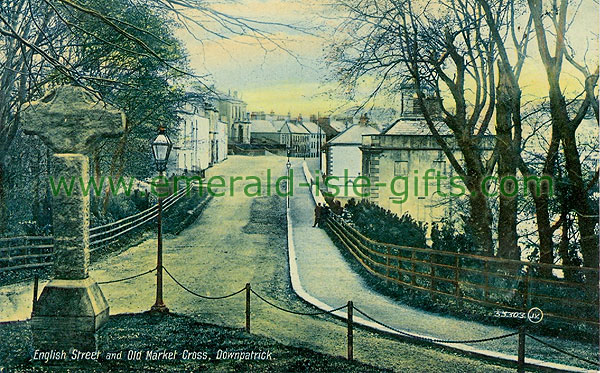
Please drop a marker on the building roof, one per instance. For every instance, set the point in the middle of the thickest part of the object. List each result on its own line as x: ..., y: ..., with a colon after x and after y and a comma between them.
x: 414, y: 127
x: 329, y: 131
x: 338, y: 126
x: 353, y: 134
x: 311, y: 127
x: 259, y: 125
x: 278, y: 124
x: 293, y: 128
x: 212, y: 94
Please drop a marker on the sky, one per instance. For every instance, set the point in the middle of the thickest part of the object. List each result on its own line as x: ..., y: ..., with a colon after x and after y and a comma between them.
x: 285, y: 75
x: 288, y: 74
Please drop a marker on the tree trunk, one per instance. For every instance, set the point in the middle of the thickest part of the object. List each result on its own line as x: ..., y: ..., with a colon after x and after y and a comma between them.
x: 561, y: 121
x: 507, y: 168
x: 481, y: 222
x: 542, y: 212
x: 563, y: 247
x: 545, y: 233
x: 580, y: 201
x: 3, y: 218
x: 480, y: 217
x: 579, y: 197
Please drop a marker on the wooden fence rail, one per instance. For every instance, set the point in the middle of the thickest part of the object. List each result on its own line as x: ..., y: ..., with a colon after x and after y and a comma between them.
x: 489, y: 281
x: 28, y: 252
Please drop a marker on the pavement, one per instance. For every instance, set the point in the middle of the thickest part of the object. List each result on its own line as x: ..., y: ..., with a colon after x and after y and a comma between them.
x: 327, y: 277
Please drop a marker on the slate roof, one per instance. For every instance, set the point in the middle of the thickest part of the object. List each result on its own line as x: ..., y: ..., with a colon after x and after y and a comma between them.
x: 414, y: 127
x: 263, y: 126
x: 353, y: 135
x: 295, y: 128
x: 278, y: 125
x: 338, y: 126
x: 311, y: 127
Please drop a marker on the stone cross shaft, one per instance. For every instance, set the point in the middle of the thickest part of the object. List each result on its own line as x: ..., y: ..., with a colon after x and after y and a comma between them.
x: 70, y: 121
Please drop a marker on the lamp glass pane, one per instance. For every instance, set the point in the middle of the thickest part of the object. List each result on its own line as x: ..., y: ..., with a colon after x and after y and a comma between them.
x: 160, y: 151
x: 161, y: 147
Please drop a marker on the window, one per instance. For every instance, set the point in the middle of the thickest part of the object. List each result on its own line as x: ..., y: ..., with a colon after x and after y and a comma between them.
x: 440, y: 166
x: 440, y: 163
x: 401, y: 168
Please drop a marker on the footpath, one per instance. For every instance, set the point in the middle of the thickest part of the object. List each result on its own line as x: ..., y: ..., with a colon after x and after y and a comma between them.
x: 321, y: 276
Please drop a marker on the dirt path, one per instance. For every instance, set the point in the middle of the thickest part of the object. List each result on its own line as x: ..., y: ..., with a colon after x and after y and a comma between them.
x: 240, y: 239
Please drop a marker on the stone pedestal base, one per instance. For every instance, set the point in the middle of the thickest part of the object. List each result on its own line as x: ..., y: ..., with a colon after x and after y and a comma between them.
x: 68, y: 314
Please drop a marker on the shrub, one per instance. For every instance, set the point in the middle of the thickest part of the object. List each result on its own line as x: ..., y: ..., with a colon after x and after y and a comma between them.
x: 383, y: 225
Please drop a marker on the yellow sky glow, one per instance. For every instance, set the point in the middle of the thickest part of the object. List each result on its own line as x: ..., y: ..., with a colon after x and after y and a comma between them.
x: 271, y: 78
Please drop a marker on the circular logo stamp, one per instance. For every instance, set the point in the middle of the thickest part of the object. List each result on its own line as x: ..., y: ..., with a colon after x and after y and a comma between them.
x: 535, y: 315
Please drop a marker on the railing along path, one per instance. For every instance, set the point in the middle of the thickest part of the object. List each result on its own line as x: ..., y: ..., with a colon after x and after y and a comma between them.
x: 26, y: 252
x: 488, y: 281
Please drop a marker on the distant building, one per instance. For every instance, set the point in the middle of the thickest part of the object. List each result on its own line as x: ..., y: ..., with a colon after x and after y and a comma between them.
x: 232, y: 110
x: 201, y: 139
x: 343, y: 154
x: 258, y: 115
x: 220, y: 142
x: 265, y: 132
x: 316, y: 140
x: 296, y: 138
x: 332, y: 127
x: 406, y: 149
x: 192, y: 148
x: 217, y: 133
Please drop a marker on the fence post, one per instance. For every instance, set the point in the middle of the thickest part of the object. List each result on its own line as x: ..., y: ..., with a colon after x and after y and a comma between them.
x: 387, y: 265
x: 413, y: 268
x: 248, y: 307
x: 350, y: 332
x: 521, y: 358
x: 35, y: 292
x: 486, y: 289
x: 526, y: 289
x: 457, y: 280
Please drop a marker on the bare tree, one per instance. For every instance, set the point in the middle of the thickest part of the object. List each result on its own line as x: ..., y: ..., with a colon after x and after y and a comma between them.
x: 509, y: 128
x: 564, y: 125
x: 446, y: 48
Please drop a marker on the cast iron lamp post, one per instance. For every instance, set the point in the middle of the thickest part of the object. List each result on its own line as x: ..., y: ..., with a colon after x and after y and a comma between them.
x: 161, y: 149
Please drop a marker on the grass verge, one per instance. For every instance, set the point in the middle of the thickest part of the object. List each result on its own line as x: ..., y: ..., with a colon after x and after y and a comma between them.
x: 146, y: 332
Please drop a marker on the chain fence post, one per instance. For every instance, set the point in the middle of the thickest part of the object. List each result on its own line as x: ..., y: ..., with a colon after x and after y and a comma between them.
x: 350, y: 332
x: 521, y: 358
x: 248, y: 307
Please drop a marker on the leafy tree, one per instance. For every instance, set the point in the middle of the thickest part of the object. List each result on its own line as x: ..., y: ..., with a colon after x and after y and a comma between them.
x: 122, y: 49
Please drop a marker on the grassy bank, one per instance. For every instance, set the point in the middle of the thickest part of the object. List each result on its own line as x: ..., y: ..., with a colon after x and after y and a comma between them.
x: 146, y: 332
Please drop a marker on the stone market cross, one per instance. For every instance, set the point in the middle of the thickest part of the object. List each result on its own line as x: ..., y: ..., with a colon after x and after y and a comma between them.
x: 71, y: 308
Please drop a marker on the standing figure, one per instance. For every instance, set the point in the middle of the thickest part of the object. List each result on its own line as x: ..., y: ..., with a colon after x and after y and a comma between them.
x: 318, y: 208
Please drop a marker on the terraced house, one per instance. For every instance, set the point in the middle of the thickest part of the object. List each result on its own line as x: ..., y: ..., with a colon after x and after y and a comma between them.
x: 202, y: 138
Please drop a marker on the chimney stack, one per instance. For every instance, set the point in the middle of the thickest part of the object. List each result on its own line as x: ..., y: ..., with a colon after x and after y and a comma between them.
x: 363, y: 120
